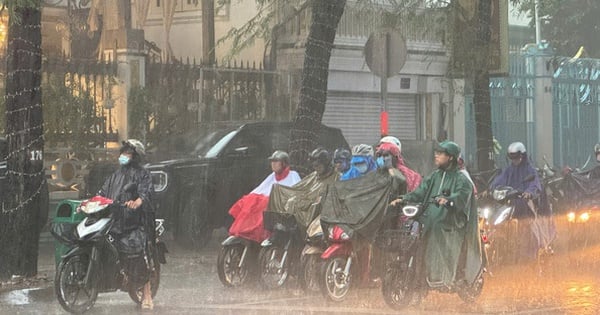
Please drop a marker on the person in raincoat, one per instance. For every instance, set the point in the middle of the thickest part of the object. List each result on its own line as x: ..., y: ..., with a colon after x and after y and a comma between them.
x: 362, y: 162
x: 248, y: 210
x: 133, y: 226
x: 452, y: 252
x: 392, y: 152
x: 341, y: 160
x: 522, y: 176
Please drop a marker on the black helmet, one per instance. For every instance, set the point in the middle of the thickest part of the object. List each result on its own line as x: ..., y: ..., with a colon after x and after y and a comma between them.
x: 320, y: 156
x: 341, y: 154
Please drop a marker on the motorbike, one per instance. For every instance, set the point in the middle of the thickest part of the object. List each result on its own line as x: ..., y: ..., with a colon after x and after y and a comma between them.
x: 280, y: 252
x: 499, y: 230
x: 405, y: 241
x: 94, y: 264
x: 237, y: 261
x: 346, y: 257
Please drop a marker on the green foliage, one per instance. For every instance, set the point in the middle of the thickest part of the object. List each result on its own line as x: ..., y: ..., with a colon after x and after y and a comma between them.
x: 69, y: 116
x: 155, y: 112
x: 567, y: 25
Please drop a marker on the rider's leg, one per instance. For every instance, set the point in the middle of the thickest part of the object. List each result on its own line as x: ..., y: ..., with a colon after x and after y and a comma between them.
x: 147, y: 302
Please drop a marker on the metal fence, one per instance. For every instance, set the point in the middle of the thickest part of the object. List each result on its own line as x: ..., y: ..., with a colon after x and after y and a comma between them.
x: 576, y: 93
x: 512, y: 99
x: 576, y: 113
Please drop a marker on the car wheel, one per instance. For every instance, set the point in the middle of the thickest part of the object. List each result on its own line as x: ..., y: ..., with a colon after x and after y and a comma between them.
x: 194, y: 228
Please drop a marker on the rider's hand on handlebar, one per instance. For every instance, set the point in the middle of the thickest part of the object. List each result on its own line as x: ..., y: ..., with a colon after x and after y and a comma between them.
x: 396, y: 202
x: 134, y: 204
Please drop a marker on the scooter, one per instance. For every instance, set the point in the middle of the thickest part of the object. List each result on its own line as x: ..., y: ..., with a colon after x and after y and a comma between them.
x: 94, y: 265
x: 346, y: 258
x: 399, y: 287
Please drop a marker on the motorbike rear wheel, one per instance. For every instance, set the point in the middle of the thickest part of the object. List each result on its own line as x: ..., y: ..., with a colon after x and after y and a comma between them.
x: 396, y: 288
x: 70, y: 288
x: 309, y: 273
x: 231, y: 274
x: 335, y: 284
x: 137, y: 294
x: 272, y: 275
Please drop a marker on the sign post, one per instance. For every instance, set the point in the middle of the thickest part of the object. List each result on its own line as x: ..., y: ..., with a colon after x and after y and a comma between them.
x: 385, y: 54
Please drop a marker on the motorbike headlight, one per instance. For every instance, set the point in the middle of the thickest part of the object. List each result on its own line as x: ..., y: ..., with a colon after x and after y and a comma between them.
x: 484, y: 213
x: 504, y: 213
x: 410, y: 210
x: 571, y: 217
x: 160, y: 179
x: 499, y: 194
x: 584, y: 217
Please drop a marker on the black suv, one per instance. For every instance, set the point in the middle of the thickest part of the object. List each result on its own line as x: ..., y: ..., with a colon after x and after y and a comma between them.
x: 215, y: 166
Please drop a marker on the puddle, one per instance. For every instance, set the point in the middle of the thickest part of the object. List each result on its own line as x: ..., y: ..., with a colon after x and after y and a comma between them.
x: 18, y: 297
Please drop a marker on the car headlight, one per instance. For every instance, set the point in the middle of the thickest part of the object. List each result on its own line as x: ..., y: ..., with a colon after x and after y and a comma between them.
x: 160, y: 179
x: 584, y: 217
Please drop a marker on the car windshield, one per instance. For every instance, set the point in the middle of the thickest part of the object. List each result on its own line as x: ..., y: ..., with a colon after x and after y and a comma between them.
x: 201, y: 142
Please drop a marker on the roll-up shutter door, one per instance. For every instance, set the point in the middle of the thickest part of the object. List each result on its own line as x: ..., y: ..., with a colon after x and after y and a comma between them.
x: 357, y: 114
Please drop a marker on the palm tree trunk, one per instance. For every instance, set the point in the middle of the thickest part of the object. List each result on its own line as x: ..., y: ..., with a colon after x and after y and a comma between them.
x: 326, y: 15
x: 27, y: 199
x: 481, y: 89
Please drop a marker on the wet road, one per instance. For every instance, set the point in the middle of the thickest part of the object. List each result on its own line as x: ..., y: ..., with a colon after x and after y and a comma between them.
x: 570, y: 284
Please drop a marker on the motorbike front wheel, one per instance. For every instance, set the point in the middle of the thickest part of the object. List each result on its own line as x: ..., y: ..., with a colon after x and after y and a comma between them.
x: 396, y: 288
x: 137, y: 294
x: 231, y: 272
x: 471, y: 293
x: 309, y: 272
x: 273, y: 273
x: 70, y: 288
x: 335, y: 283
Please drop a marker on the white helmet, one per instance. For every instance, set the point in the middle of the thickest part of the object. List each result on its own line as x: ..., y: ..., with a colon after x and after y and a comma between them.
x: 516, y: 147
x: 363, y: 150
x: 392, y: 140
x: 137, y: 145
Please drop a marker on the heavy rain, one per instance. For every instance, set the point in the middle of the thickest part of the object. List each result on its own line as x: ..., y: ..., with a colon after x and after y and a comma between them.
x: 299, y: 157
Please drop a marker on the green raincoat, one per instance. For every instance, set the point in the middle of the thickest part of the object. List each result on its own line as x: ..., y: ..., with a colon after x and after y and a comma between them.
x: 453, y: 246
x: 300, y: 200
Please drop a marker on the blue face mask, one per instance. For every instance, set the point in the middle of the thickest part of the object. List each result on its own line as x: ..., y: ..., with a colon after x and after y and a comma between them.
x: 384, y: 161
x: 124, y: 160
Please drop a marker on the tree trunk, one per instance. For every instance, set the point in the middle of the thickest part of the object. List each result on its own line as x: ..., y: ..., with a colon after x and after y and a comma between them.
x: 326, y: 15
x: 481, y: 90
x: 27, y: 201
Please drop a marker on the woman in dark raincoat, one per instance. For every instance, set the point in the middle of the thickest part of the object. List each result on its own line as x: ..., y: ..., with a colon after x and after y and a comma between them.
x: 133, y: 226
x: 451, y: 234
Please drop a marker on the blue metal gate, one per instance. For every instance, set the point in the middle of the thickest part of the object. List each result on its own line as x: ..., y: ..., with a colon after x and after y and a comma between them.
x: 576, y: 93
x: 512, y: 100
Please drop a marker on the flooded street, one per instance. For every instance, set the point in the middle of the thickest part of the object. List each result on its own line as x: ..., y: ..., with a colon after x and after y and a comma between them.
x: 568, y: 284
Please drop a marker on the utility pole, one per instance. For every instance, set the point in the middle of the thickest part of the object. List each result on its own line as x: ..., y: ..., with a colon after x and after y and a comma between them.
x: 208, y: 58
